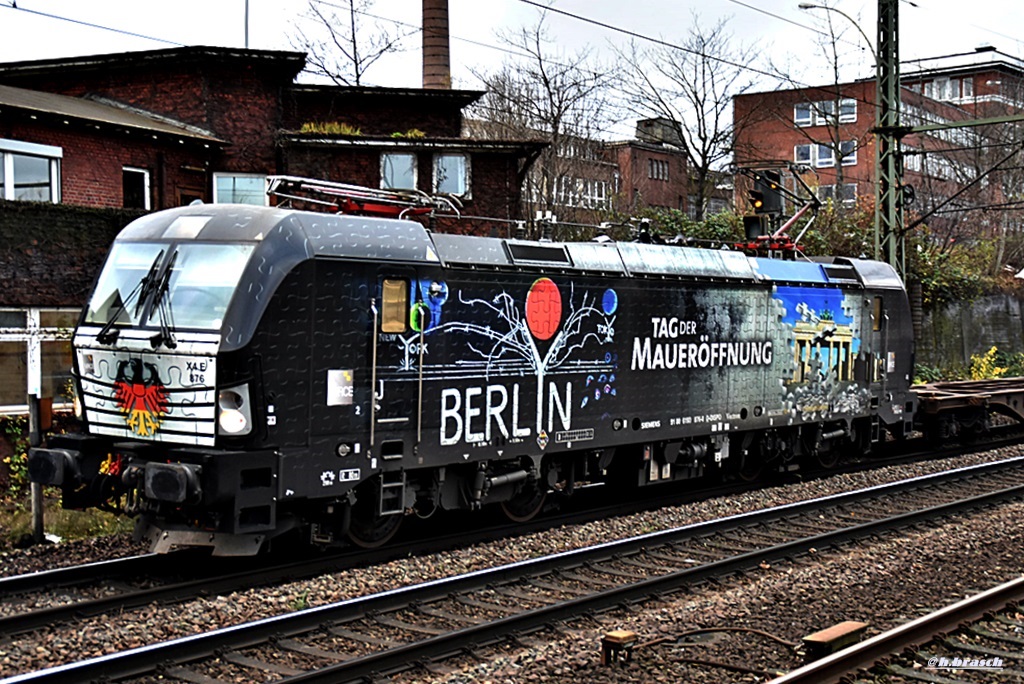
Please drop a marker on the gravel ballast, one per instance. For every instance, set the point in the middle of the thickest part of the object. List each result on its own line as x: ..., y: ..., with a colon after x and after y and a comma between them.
x: 106, y: 634
x: 884, y: 583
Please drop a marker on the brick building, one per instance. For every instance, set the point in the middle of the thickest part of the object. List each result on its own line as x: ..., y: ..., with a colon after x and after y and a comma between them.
x: 250, y: 119
x: 653, y: 169
x: 587, y: 181
x: 824, y: 133
x: 157, y: 129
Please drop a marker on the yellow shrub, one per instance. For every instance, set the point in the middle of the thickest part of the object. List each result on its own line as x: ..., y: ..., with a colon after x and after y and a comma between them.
x: 984, y: 366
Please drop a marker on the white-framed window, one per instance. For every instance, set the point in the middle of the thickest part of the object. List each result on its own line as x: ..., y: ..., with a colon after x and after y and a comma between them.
x: 824, y: 112
x: 29, y: 172
x: 847, y: 110
x: 802, y: 113
x: 239, y: 188
x: 35, y: 356
x: 135, y: 188
x: 802, y: 154
x: 911, y: 159
x: 848, y: 150
x: 847, y: 193
x: 452, y: 174
x: 824, y: 156
x: 968, y: 86
x: 398, y: 170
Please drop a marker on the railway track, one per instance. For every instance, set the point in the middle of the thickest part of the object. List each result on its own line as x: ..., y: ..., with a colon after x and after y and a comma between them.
x: 384, y: 633
x: 123, y: 584
x: 63, y: 595
x: 979, y: 639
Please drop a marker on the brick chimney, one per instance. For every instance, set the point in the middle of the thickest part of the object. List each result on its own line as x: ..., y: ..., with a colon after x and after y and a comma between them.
x: 437, y: 72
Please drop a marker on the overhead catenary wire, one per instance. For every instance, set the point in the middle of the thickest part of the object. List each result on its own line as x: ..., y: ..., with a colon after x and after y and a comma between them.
x: 518, y: 54
x: 89, y: 24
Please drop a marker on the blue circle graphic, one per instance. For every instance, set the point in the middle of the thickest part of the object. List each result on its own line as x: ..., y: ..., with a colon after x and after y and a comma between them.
x: 610, y: 302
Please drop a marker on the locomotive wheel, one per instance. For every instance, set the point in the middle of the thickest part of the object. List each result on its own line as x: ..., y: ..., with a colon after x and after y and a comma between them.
x: 750, y: 467
x: 526, y: 504
x: 828, y: 458
x: 372, y: 532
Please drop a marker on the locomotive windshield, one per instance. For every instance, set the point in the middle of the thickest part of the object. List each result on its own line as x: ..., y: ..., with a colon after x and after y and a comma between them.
x: 196, y: 279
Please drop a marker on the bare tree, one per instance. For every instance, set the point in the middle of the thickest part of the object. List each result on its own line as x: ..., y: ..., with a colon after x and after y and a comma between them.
x: 344, y: 47
x: 692, y: 86
x: 830, y: 108
x: 559, y: 98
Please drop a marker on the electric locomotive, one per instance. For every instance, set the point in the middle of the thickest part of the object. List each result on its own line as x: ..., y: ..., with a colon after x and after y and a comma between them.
x: 244, y: 372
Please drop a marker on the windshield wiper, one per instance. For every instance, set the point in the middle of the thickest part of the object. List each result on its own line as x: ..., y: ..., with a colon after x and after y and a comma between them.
x: 108, y: 334
x: 162, y: 304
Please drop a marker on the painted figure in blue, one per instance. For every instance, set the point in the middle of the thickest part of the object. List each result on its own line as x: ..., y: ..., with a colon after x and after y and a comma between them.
x: 434, y: 294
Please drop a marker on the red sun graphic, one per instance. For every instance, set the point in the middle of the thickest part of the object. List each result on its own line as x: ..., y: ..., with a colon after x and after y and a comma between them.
x: 543, y: 309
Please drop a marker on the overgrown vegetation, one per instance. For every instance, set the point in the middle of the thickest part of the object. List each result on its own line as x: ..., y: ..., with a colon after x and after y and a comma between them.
x: 330, y: 128
x: 14, y: 430
x: 991, y: 365
x: 15, y: 502
x: 412, y: 133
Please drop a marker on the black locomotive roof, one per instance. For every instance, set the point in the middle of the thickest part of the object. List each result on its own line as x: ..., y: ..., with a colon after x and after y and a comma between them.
x: 286, y: 237
x: 296, y: 235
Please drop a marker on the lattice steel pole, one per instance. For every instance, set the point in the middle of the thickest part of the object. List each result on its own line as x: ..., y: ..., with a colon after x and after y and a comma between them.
x: 889, y: 242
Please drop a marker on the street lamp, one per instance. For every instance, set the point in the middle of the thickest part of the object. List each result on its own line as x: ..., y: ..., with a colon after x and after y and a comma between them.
x: 889, y: 176
x: 810, y: 6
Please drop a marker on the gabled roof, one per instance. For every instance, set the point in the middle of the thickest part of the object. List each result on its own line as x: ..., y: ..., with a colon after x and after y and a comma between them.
x: 104, y: 112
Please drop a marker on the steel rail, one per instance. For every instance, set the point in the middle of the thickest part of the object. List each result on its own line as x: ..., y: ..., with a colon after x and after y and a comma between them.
x: 141, y: 660
x: 452, y: 643
x: 217, y: 580
x: 834, y: 667
x: 73, y: 575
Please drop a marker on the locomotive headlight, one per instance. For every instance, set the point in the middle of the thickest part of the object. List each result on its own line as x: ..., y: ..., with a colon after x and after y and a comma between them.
x: 234, y: 411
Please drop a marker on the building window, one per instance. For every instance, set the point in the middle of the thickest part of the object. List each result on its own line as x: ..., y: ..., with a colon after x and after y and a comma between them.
x: 824, y: 156
x: 824, y: 112
x: 35, y: 356
x: 657, y: 169
x: 452, y: 174
x: 848, y: 150
x: 398, y: 170
x: 135, y: 188
x: 911, y: 159
x: 239, y: 188
x: 802, y: 114
x: 802, y: 154
x: 847, y: 193
x: 29, y: 172
x: 847, y: 110
x: 584, y: 193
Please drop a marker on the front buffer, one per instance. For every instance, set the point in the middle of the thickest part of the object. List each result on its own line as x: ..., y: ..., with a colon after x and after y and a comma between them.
x: 183, y: 496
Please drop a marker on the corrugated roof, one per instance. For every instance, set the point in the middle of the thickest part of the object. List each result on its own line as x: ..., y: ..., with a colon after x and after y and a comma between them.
x: 90, y: 110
